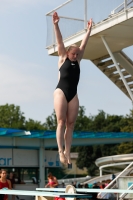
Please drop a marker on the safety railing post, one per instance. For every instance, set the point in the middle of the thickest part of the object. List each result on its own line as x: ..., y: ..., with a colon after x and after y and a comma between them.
x: 125, y: 5
x: 53, y: 33
x: 85, y: 14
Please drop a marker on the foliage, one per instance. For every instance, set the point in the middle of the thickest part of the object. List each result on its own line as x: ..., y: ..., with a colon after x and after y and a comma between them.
x: 113, y: 123
x: 98, y: 121
x: 125, y: 147
x: 87, y: 157
x: 34, y: 125
x: 82, y: 122
x: 51, y: 122
x: 128, y: 123
x: 11, y: 117
x: 105, y: 123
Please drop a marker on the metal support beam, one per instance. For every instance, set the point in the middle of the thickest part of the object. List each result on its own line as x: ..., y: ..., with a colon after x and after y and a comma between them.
x: 125, y: 5
x: 117, y: 67
x: 114, y: 180
x: 124, y: 61
x: 53, y: 35
x: 41, y: 164
x: 50, y: 13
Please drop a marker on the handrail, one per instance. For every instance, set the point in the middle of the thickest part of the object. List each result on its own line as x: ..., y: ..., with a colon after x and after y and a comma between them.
x: 58, y: 7
x: 124, y: 4
x: 108, y: 186
x: 113, y: 11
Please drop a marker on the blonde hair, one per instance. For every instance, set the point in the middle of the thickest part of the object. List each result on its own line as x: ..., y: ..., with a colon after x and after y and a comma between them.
x: 72, y: 46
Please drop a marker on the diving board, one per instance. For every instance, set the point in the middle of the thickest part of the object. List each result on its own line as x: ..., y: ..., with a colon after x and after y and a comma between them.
x: 53, y: 192
x: 44, y: 194
x: 87, y: 190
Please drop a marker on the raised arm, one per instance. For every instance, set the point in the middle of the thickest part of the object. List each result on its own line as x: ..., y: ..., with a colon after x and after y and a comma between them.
x: 85, y: 39
x: 60, y: 44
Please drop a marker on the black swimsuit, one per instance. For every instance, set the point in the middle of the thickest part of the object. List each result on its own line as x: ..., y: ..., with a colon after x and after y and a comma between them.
x: 69, y: 78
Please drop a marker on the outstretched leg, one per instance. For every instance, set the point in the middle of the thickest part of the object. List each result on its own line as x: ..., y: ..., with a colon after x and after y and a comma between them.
x: 72, y: 112
x: 60, y: 105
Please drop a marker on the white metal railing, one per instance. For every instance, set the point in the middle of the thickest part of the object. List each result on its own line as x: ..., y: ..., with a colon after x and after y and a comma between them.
x: 115, y: 179
x: 122, y: 7
x: 51, y: 12
x: 70, y: 24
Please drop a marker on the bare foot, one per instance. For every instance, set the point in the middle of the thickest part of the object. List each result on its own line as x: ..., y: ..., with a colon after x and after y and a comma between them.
x: 67, y: 155
x: 63, y: 158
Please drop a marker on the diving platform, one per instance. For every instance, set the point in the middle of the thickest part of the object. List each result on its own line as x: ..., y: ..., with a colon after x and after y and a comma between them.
x: 105, y: 48
x: 117, y: 29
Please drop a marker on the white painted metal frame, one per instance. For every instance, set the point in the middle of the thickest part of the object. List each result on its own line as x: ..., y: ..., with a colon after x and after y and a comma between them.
x: 113, y: 181
x: 58, y: 7
x: 85, y: 15
x: 124, y: 6
x: 117, y: 67
x: 51, y: 13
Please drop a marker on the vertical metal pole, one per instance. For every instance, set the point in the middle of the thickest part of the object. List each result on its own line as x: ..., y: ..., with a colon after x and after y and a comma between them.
x: 85, y: 14
x: 53, y: 33
x: 41, y: 164
x: 125, y: 5
x: 117, y: 67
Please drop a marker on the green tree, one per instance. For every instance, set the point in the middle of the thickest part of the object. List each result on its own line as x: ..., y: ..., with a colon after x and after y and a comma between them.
x: 99, y: 121
x: 82, y: 122
x: 51, y: 122
x: 11, y: 117
x: 125, y: 148
x: 34, y: 125
x: 127, y: 126
x: 128, y: 123
x: 109, y: 149
x: 113, y: 123
x: 86, y: 158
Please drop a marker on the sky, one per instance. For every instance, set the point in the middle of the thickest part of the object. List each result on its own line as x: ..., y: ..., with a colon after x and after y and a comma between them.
x: 28, y: 75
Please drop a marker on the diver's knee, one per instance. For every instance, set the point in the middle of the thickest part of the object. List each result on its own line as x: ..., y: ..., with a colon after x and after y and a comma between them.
x: 61, y: 123
x: 70, y: 125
